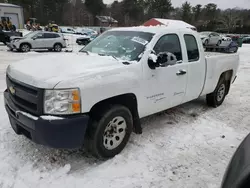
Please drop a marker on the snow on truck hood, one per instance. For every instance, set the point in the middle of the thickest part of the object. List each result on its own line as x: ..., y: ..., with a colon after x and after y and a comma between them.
x: 49, y: 70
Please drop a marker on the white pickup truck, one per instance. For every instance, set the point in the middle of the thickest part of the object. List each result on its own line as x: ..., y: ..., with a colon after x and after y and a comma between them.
x: 97, y: 96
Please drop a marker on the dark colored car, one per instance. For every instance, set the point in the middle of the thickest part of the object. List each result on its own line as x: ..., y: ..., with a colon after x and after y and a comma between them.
x: 246, y: 40
x: 5, y: 35
x: 83, y: 40
x: 237, y: 174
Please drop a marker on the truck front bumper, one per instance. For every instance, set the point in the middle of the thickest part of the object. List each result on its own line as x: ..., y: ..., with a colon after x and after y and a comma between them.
x: 66, y: 133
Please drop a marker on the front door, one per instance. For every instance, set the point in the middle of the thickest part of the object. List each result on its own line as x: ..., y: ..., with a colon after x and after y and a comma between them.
x: 166, y: 86
x: 38, y: 40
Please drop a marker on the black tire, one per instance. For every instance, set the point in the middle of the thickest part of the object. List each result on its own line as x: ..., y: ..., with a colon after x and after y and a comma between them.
x: 216, y: 98
x: 57, y: 47
x: 97, y: 137
x: 25, y: 47
x: 218, y: 43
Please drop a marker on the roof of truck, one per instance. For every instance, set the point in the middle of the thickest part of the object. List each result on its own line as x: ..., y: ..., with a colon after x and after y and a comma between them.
x: 151, y: 29
x: 9, y: 5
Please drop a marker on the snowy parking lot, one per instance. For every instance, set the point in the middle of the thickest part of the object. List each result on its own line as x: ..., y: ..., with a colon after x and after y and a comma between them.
x: 187, y: 146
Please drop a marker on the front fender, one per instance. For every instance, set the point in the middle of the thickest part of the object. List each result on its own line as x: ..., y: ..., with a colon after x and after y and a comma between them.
x: 102, y: 86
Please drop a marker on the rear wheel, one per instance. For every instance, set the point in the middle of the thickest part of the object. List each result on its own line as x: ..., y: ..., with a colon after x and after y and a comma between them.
x: 58, y: 47
x: 216, y: 98
x: 219, y: 43
x: 25, y: 47
x: 206, y: 42
x: 109, y: 135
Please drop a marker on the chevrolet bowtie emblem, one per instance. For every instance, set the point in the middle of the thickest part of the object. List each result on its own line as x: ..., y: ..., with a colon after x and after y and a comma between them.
x: 12, y: 90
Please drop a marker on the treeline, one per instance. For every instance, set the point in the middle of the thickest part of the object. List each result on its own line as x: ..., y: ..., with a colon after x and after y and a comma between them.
x: 135, y: 12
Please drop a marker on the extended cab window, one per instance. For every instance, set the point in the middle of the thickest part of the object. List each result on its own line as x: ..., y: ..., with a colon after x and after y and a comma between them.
x: 169, y: 43
x: 192, y: 48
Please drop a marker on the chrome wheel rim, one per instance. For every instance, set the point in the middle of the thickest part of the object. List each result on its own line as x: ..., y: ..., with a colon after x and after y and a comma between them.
x: 221, y: 92
x: 58, y: 48
x: 25, y: 48
x: 114, y: 133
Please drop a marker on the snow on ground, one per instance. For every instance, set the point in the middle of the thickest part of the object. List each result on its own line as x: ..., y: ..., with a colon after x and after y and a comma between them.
x: 187, y: 146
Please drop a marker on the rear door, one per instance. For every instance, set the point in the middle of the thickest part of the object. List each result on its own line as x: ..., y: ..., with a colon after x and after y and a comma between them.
x: 49, y: 40
x: 196, y: 66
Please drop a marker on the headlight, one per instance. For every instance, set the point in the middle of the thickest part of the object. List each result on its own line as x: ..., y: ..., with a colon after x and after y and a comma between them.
x: 62, y: 101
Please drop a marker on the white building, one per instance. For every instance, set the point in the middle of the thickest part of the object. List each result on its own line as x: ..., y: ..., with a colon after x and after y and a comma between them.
x: 15, y: 13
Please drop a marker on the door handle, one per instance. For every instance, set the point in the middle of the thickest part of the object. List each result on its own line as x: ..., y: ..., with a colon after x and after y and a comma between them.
x: 181, y: 72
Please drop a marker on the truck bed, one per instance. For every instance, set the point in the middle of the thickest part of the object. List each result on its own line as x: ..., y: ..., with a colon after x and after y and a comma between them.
x: 211, y: 54
x: 217, y: 63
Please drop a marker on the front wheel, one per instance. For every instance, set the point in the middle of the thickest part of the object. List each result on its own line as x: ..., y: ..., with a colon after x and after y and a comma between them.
x: 25, y: 48
x: 216, y: 98
x: 109, y: 135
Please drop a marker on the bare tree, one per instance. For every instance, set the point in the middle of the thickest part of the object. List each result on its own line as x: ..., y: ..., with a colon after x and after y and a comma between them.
x: 229, y: 20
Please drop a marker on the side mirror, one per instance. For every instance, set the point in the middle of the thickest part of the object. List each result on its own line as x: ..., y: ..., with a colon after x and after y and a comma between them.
x: 163, y: 59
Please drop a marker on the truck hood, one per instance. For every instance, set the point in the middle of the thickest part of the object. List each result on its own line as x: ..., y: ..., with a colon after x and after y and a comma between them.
x: 46, y: 71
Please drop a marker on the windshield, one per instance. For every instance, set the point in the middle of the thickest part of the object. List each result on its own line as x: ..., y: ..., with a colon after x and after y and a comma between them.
x: 29, y: 34
x: 125, y: 45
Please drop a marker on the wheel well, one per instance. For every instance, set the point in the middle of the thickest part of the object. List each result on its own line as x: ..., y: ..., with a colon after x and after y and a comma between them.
x: 26, y: 43
x: 58, y: 43
x: 227, y: 75
x: 128, y: 100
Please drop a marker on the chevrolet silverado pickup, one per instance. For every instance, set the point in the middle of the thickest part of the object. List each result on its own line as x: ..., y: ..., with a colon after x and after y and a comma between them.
x: 96, y: 97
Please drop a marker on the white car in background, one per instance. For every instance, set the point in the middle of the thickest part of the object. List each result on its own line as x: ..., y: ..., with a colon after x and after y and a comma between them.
x: 224, y: 38
x: 38, y: 40
x: 86, y: 31
x: 210, y: 38
x: 68, y: 30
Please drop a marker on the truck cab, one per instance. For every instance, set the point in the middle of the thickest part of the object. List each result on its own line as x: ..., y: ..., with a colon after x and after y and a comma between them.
x: 97, y: 96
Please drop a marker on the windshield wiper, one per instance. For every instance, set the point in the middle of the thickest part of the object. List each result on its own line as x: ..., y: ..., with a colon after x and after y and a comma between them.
x: 85, y: 51
x: 123, y: 62
x: 108, y: 55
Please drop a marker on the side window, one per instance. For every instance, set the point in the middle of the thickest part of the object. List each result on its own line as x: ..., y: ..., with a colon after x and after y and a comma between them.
x: 192, y: 48
x: 169, y: 43
x: 39, y: 36
x: 49, y: 35
x: 56, y: 36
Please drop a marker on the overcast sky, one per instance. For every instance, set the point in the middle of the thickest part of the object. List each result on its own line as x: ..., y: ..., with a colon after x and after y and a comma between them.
x: 223, y: 4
